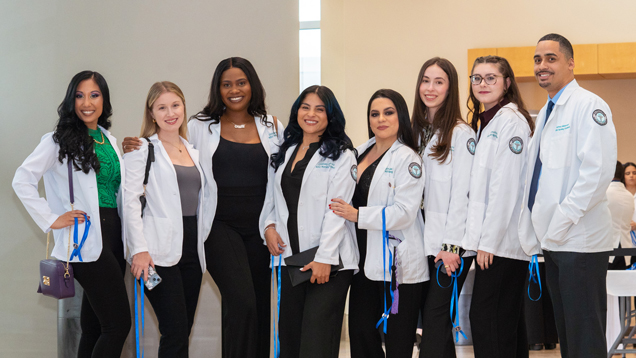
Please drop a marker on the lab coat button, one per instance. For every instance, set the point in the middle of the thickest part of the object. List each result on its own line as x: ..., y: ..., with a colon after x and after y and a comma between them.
x: 301, y: 228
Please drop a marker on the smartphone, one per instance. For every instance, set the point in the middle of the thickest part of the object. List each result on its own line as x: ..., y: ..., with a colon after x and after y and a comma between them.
x: 153, y: 279
x: 438, y: 264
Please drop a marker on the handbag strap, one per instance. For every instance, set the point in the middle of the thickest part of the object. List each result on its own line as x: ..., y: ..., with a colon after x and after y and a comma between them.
x: 151, y: 158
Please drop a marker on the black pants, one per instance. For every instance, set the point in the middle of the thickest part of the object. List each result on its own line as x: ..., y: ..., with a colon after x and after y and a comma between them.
x: 539, y: 315
x: 311, y: 316
x: 496, y: 310
x: 175, y: 299
x: 437, y: 328
x: 366, y: 305
x: 105, y: 314
x: 577, y: 285
x: 239, y: 264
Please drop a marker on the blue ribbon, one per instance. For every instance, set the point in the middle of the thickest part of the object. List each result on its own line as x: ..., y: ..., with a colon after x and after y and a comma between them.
x: 77, y: 248
x: 454, y: 299
x: 276, y: 284
x: 385, y: 243
x: 533, y: 267
x: 633, y: 235
x: 138, y: 302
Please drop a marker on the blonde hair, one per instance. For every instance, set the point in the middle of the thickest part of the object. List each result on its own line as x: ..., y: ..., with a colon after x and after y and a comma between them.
x: 149, y: 127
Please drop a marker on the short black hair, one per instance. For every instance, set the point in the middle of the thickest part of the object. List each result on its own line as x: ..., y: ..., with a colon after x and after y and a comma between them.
x: 619, y: 174
x: 564, y: 45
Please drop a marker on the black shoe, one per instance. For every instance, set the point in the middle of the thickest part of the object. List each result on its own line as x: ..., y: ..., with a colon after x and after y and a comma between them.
x: 550, y: 346
x: 535, y: 347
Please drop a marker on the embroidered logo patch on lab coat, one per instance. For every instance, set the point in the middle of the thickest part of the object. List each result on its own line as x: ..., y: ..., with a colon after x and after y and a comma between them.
x: 415, y: 170
x: 599, y: 117
x: 471, y: 146
x: 354, y: 172
x: 516, y: 145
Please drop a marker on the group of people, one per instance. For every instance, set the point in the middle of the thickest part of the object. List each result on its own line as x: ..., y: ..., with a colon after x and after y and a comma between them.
x: 396, y: 221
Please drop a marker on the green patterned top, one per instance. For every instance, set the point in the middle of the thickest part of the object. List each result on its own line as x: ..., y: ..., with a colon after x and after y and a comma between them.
x: 109, y: 175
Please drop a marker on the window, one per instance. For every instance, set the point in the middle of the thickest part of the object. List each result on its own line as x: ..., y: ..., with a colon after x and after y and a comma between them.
x: 309, y: 43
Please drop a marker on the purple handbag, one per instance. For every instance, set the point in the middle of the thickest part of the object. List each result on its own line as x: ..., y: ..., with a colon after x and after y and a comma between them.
x: 56, y: 276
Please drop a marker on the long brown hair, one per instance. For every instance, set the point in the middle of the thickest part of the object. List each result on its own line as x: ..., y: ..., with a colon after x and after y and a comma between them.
x: 149, y: 127
x: 446, y: 118
x: 512, y: 93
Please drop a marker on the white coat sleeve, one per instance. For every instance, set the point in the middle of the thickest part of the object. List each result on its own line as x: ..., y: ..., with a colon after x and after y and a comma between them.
x: 408, y: 190
x: 505, y: 185
x: 341, y: 186
x: 27, y: 176
x: 596, y: 149
x: 462, y: 163
x: 268, y: 213
x: 135, y: 162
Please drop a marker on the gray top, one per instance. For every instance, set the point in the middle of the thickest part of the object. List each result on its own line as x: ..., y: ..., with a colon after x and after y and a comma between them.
x: 189, y: 186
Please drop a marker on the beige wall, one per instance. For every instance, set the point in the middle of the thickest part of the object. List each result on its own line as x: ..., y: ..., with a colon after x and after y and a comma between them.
x: 133, y: 44
x: 373, y: 44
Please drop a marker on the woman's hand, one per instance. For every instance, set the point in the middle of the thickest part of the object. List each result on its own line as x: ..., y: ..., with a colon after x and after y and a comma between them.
x: 484, y: 259
x: 131, y: 143
x: 140, y: 264
x: 344, y: 210
x: 68, y: 218
x: 633, y: 225
x: 319, y: 272
x: 452, y: 261
x: 274, y: 242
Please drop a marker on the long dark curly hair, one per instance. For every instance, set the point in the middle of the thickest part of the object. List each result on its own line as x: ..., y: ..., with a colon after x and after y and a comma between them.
x: 71, y: 134
x: 333, y: 141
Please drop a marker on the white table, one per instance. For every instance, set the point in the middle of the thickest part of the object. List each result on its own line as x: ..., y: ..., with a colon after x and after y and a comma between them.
x: 621, y: 285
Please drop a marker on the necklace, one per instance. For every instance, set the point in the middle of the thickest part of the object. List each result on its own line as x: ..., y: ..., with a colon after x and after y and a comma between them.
x: 178, y: 148
x: 237, y: 126
x: 304, y: 147
x: 102, y: 142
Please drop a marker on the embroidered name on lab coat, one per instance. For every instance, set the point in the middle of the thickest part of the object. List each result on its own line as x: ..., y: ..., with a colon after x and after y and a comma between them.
x: 493, y: 134
x: 562, y: 127
x: 325, y: 166
x: 388, y: 170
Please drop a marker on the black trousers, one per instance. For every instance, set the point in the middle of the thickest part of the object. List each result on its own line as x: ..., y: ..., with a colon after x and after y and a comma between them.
x: 239, y: 264
x: 577, y: 286
x: 437, y: 328
x: 496, y: 310
x: 175, y: 299
x: 311, y: 316
x: 539, y: 315
x: 105, y: 313
x: 366, y: 305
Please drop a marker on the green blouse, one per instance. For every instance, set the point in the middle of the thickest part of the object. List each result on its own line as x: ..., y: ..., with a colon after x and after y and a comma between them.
x: 109, y: 175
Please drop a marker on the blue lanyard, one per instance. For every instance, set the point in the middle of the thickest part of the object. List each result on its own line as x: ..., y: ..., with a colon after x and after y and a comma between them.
x: 77, y: 248
x: 385, y: 244
x: 138, y: 302
x: 533, y: 267
x: 454, y: 299
x: 276, y: 285
x: 633, y: 235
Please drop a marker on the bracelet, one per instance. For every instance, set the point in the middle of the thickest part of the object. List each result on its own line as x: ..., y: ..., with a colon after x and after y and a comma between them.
x: 454, y: 249
x: 269, y: 227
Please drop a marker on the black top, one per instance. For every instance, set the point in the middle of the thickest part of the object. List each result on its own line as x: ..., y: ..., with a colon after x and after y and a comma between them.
x: 189, y: 181
x: 290, y: 184
x: 360, y: 198
x: 240, y: 173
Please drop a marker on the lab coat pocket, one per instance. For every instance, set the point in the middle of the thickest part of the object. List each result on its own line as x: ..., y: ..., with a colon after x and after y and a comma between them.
x: 559, y: 151
x: 559, y: 228
x: 158, y: 233
x: 486, y: 150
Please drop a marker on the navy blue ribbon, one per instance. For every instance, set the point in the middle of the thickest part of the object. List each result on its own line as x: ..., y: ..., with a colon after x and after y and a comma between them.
x: 385, y: 244
x: 276, y: 284
x: 139, y: 302
x: 454, y: 299
x: 77, y: 248
x: 533, y: 267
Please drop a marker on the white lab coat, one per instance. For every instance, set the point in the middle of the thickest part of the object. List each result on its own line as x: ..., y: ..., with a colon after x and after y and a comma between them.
x: 496, y: 184
x: 446, y: 191
x: 160, y: 232
x: 396, y: 189
x: 43, y: 163
x: 621, y: 205
x: 205, y: 137
x: 578, y: 158
x: 324, y: 179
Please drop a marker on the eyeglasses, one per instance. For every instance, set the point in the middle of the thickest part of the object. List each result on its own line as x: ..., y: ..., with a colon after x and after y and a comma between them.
x: 490, y: 79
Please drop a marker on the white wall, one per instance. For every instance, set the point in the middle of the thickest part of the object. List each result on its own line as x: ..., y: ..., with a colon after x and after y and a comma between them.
x: 133, y: 44
x: 373, y: 44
